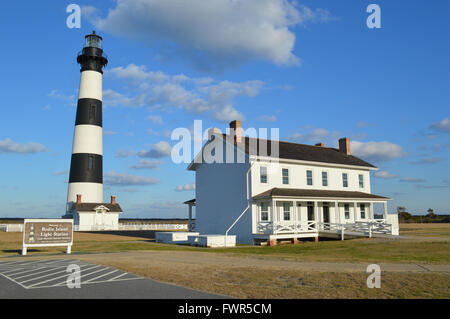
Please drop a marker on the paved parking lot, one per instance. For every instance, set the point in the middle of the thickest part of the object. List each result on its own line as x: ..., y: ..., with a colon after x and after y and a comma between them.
x: 49, y: 279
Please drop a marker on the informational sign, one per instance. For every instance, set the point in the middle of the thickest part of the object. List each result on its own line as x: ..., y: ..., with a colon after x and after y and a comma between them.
x: 47, y: 233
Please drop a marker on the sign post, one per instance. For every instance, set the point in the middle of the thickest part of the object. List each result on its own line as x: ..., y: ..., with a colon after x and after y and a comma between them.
x: 47, y: 233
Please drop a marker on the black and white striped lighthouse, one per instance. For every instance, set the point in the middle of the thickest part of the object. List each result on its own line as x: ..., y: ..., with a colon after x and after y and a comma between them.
x: 86, y: 168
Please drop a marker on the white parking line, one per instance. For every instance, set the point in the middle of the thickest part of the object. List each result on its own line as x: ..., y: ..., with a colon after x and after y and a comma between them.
x: 39, y: 272
x: 51, y: 279
x: 100, y: 276
x: 13, y: 270
x: 54, y: 273
x: 117, y: 277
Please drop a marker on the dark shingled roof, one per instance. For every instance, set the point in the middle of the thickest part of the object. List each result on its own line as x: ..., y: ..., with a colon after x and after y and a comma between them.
x: 296, y: 192
x: 89, y: 207
x: 303, y: 152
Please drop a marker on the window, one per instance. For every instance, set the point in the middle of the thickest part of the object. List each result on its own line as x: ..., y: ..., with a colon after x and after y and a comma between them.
x: 310, y: 211
x: 345, y: 179
x: 309, y: 178
x: 363, y: 211
x: 91, y: 162
x: 92, y: 112
x: 361, y: 181
x: 264, y: 212
x: 263, y: 174
x: 285, y: 173
x: 347, y: 211
x: 324, y: 179
x: 286, y: 211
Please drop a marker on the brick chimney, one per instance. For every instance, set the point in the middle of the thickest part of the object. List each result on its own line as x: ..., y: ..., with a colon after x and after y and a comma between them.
x: 211, y: 131
x: 113, y: 199
x: 320, y: 144
x: 344, y: 145
x: 78, y: 198
x: 236, y: 130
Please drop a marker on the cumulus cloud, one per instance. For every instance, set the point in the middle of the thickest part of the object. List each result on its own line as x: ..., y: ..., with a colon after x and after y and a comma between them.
x: 376, y: 151
x: 187, y: 187
x: 109, y: 133
x: 442, y: 126
x: 60, y: 173
x: 147, y: 164
x: 267, y: 118
x: 69, y: 99
x: 161, y: 149
x: 8, y: 146
x: 123, y: 179
x: 385, y: 175
x: 212, y: 35
x: 159, y: 90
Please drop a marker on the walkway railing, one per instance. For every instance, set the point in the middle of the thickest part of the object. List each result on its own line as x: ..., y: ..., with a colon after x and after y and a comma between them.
x: 268, y: 227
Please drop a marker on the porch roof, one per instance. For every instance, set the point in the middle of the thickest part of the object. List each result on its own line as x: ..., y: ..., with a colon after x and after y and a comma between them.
x: 297, y: 192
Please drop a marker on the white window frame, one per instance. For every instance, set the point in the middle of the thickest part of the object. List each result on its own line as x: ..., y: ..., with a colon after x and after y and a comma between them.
x: 284, y: 211
x: 312, y: 177
x: 288, y: 176
x: 261, y: 175
x: 326, y: 172
x: 362, y: 209
x: 261, y: 211
x: 345, y: 181
x: 361, y: 180
x: 347, y: 211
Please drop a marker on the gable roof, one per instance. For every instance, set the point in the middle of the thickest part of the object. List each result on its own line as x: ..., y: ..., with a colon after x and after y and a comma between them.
x: 303, y: 152
x: 296, y: 192
x: 90, y: 207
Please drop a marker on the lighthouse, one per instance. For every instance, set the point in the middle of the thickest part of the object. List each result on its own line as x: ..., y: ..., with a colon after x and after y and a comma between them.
x: 86, y: 168
x: 85, y: 194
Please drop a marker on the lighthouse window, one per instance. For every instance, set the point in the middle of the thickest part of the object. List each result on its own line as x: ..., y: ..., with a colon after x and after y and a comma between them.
x: 91, y: 162
x: 92, y: 112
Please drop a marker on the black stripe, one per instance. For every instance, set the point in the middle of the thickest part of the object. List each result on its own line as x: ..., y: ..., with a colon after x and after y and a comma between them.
x: 92, y: 59
x: 86, y: 168
x: 89, y: 111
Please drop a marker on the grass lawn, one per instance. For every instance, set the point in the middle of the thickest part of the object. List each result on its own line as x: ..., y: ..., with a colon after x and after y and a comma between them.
x: 357, y: 250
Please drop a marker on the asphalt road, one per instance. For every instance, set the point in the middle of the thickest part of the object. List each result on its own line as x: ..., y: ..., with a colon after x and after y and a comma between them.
x: 49, y: 279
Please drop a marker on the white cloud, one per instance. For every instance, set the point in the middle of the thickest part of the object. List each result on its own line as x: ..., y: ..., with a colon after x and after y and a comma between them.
x: 124, y: 153
x: 426, y: 160
x: 376, y: 151
x: 195, y: 95
x: 212, y: 34
x: 159, y: 150
x: 8, y: 146
x: 123, y: 179
x: 147, y: 164
x: 412, y: 180
x: 155, y: 119
x: 316, y: 135
x: 70, y: 99
x: 187, y: 187
x: 66, y: 172
x: 384, y: 175
x: 267, y: 118
x: 109, y: 133
x: 442, y: 126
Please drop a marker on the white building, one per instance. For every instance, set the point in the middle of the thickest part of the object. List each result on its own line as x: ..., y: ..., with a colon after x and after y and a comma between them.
x: 303, y: 191
x: 94, y: 216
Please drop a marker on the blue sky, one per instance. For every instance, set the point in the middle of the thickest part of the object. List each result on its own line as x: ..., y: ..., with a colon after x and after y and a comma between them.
x: 311, y: 68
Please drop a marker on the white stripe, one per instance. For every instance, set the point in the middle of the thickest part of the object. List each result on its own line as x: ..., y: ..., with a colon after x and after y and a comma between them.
x: 51, y: 279
x: 88, y: 139
x: 90, y: 192
x: 18, y: 269
x: 40, y: 272
x: 53, y: 273
x: 88, y: 283
x: 101, y: 276
x: 121, y: 275
x: 90, y: 85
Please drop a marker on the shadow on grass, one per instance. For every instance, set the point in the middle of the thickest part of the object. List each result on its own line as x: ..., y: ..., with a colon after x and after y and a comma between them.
x: 147, y: 234
x: 19, y: 251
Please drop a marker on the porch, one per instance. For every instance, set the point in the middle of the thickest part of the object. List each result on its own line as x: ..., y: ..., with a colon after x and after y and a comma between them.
x: 279, y: 217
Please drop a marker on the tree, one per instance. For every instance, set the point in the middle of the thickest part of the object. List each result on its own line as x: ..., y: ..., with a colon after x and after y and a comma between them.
x: 431, y: 213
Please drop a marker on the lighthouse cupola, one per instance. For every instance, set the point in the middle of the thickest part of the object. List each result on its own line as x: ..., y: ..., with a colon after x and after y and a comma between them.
x: 92, y: 57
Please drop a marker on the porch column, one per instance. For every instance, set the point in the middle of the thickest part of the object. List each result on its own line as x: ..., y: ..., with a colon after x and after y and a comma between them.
x: 354, y: 211
x: 274, y: 215
x: 337, y: 212
x: 385, y: 210
x: 316, y: 213
x: 190, y: 218
x: 371, y: 213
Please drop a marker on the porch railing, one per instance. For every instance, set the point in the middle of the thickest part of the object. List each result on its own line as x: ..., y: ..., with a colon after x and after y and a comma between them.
x: 268, y: 227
